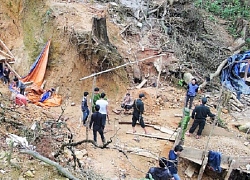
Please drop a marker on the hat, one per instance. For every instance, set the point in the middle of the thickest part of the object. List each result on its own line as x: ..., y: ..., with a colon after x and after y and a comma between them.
x: 141, y: 95
x: 96, y: 89
x: 85, y: 93
x: 204, y: 100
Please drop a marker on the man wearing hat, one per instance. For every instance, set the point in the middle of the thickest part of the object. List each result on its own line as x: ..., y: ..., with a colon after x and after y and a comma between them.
x: 85, y: 109
x: 199, y: 115
x: 137, y: 113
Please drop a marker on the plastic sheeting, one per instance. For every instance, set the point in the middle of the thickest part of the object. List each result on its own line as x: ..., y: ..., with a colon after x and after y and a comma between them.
x: 230, y: 76
x: 36, y: 75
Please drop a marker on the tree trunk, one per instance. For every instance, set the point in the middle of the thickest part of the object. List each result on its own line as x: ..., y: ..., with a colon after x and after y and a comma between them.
x: 99, y: 30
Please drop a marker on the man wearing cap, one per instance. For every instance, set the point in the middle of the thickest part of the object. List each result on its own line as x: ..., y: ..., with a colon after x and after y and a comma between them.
x: 192, y: 89
x: 137, y: 113
x: 85, y: 109
x: 199, y: 115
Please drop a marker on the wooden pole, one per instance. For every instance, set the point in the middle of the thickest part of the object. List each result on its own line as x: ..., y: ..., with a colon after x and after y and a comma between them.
x: 158, y: 78
x: 231, y: 167
x: 6, y: 48
x: 90, y: 112
x: 203, y: 165
x: 117, y: 67
x: 6, y: 55
x: 205, y: 158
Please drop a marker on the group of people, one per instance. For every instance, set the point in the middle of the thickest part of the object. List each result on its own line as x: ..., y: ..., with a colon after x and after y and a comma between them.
x: 99, y: 115
x: 168, y: 167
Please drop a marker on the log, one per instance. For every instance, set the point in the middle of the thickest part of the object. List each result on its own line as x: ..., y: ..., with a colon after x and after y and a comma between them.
x: 141, y: 84
x: 169, y: 138
x: 99, y: 30
x: 6, y: 55
x: 65, y: 172
x: 203, y: 166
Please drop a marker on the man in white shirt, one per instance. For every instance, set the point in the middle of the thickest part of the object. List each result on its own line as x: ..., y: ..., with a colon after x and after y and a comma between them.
x: 103, y: 107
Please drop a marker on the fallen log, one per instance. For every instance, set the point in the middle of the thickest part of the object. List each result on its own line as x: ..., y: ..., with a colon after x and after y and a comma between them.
x: 64, y: 172
x: 169, y: 138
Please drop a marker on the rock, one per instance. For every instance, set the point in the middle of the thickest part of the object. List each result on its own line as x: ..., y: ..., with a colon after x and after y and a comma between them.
x: 80, y: 154
x: 29, y: 174
x: 73, y: 104
x: 246, y: 143
x: 245, y: 128
x: 225, y: 111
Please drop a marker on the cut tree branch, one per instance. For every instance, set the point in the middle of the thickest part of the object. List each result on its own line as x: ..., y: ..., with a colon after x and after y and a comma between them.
x: 65, y: 172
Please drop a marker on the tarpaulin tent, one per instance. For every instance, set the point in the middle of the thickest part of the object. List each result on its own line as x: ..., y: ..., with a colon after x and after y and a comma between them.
x: 230, y: 76
x: 36, y: 75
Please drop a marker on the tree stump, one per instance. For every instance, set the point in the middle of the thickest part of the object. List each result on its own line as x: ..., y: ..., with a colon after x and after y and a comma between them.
x: 99, y: 30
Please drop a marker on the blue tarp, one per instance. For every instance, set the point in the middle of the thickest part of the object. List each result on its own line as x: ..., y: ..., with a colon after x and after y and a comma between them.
x: 230, y: 76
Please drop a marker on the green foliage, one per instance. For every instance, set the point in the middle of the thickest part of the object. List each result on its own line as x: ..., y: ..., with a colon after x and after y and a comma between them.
x: 228, y: 10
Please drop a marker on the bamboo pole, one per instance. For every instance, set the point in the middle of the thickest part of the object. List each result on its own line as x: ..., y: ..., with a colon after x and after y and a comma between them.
x: 158, y: 78
x: 6, y: 55
x: 117, y: 67
x: 6, y: 48
x: 204, y: 159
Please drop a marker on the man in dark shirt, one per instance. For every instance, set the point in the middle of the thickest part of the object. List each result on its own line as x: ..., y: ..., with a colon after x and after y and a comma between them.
x: 98, y: 125
x: 137, y: 113
x: 199, y: 115
x: 160, y: 173
x: 6, y: 75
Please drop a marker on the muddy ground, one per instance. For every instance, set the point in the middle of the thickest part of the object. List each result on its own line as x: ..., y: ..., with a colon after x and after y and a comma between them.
x: 66, y: 67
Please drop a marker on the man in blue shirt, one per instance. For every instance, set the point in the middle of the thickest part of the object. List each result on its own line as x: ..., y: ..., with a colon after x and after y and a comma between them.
x: 192, y: 89
x: 173, y: 161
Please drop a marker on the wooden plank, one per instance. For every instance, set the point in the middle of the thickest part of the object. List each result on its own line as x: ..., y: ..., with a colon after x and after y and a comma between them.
x: 162, y: 129
x: 6, y: 55
x: 141, y: 84
x: 169, y: 138
x: 190, y: 170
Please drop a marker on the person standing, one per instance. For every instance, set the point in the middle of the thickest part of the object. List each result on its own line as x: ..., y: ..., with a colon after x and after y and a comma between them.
x: 103, y: 103
x: 96, y: 97
x: 160, y: 173
x: 199, y: 115
x: 192, y: 89
x: 98, y: 124
x: 20, y: 85
x: 6, y: 75
x: 84, y: 107
x: 173, y: 161
x: 137, y: 113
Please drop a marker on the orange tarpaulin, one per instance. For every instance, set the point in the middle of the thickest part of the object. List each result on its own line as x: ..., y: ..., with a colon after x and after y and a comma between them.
x: 36, y: 75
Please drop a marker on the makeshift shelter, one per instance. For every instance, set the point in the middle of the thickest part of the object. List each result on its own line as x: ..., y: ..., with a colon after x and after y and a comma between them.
x: 36, y: 75
x: 231, y: 74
